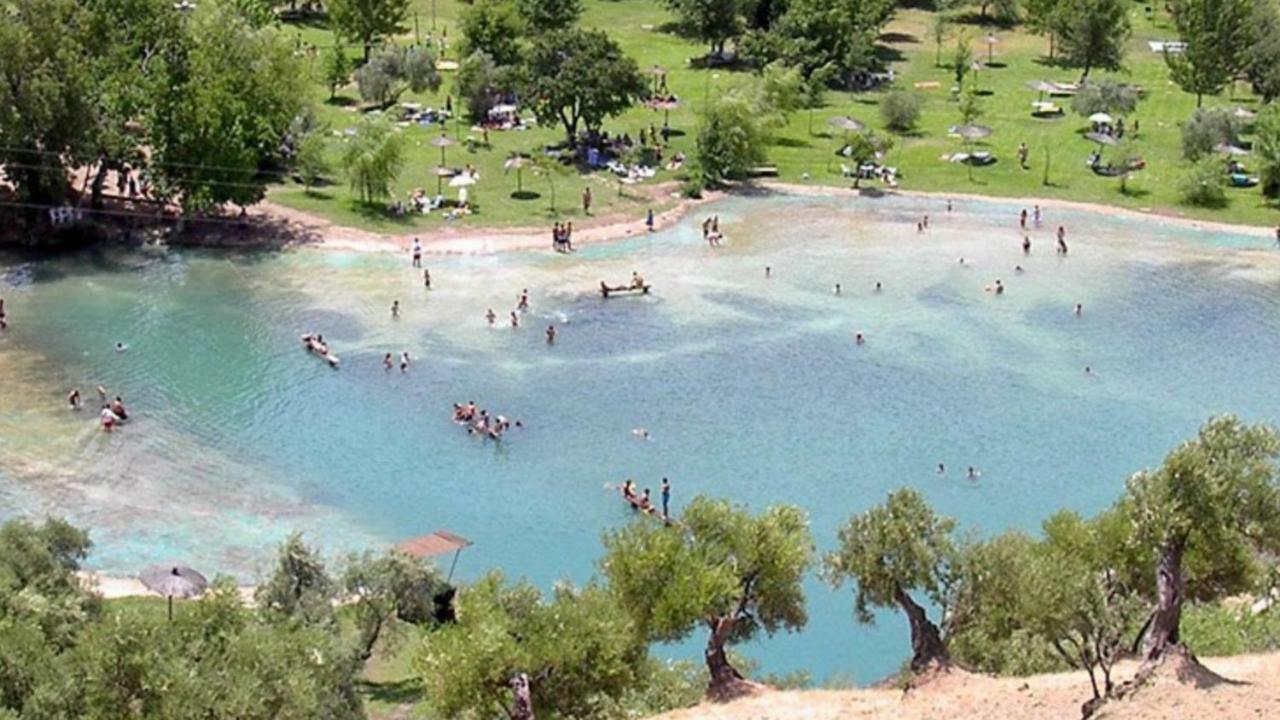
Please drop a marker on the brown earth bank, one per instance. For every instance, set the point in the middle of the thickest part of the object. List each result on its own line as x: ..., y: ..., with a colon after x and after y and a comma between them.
x: 1248, y: 687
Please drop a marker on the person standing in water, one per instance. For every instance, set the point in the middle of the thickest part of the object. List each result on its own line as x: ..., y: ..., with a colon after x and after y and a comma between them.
x: 491, y: 316
x: 1026, y: 245
x: 73, y: 399
x: 387, y: 362
x: 426, y: 278
x: 1022, y: 219
x: 4, y: 319
x: 417, y: 253
x: 666, y: 498
x: 837, y: 288
x: 1036, y: 217
x: 768, y: 271
x: 1079, y: 309
x: 515, y: 319
x: 404, y: 361
x: 395, y: 308
x: 551, y: 334
x: 1062, y: 240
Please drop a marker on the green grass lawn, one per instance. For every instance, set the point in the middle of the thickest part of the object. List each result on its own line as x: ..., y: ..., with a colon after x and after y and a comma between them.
x: 804, y: 150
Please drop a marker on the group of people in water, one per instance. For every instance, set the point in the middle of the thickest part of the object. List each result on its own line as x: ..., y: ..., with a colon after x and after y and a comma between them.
x: 562, y: 237
x: 643, y: 501
x: 478, y: 421
x: 111, y: 411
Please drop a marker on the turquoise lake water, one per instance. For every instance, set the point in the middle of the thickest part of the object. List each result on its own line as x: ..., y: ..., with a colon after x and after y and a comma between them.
x: 751, y: 388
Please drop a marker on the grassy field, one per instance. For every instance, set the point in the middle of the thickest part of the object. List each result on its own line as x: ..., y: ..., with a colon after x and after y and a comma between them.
x: 804, y: 150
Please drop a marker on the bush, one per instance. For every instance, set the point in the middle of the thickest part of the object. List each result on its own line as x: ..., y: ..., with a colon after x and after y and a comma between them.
x: 1107, y: 96
x: 1266, y: 146
x: 1204, y: 185
x: 900, y: 110
x: 1205, y: 129
x: 1218, y: 630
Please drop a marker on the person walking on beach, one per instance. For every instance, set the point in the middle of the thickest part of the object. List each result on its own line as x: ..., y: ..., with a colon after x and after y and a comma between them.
x: 426, y: 278
x: 417, y: 253
x: 586, y: 201
x: 666, y: 498
x: 648, y: 220
x: 1023, y: 151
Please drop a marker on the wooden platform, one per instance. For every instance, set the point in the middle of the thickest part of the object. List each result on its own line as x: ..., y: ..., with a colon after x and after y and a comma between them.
x: 606, y: 290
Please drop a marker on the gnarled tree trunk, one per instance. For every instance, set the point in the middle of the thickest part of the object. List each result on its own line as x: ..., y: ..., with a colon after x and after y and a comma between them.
x: 1170, y: 592
x: 926, y: 642
x: 723, y: 675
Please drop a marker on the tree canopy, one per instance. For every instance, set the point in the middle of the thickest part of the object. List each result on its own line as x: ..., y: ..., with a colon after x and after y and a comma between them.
x: 1217, y: 33
x: 579, y: 77
x: 733, y: 573
x: 545, y: 15
x: 711, y: 21
x: 373, y: 158
x: 367, y: 22
x: 891, y: 550
x: 493, y: 27
x: 394, y: 69
x: 1093, y: 33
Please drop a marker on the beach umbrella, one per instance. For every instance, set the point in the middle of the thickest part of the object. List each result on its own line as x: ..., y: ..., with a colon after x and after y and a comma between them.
x: 1245, y: 114
x: 1230, y: 149
x: 1101, y: 118
x: 442, y: 142
x: 172, y: 581
x: 441, y: 172
x: 666, y: 105
x: 991, y: 41
x: 847, y: 124
x: 462, y: 180
x: 972, y: 132
x: 517, y: 163
x: 1102, y: 138
x: 1041, y: 86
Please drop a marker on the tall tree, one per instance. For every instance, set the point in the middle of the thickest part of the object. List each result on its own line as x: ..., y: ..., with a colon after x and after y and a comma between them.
x: 1266, y: 144
x: 547, y: 15
x: 373, y: 159
x: 1107, y: 96
x: 367, y: 22
x: 299, y: 586
x: 579, y: 77
x: 394, y: 69
x: 1092, y: 33
x: 840, y: 34
x: 711, y: 21
x: 477, y: 83
x: 381, y: 589
x: 1262, y: 59
x: 731, y: 572
x: 732, y: 137
x: 228, y: 98
x: 515, y: 654
x: 1218, y: 493
x: 1042, y: 19
x: 1217, y: 34
x: 493, y: 27
x: 891, y: 550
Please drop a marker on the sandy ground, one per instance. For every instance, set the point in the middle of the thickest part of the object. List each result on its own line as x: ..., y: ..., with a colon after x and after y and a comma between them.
x: 111, y: 587
x: 957, y: 695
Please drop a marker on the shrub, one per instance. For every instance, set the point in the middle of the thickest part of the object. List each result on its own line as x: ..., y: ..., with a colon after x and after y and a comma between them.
x: 1266, y: 146
x: 1204, y: 185
x: 1214, y: 629
x: 1107, y: 96
x: 1205, y: 129
x: 900, y: 110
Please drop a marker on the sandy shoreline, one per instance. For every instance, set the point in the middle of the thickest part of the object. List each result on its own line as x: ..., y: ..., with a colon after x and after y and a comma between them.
x: 112, y: 587
x: 321, y: 233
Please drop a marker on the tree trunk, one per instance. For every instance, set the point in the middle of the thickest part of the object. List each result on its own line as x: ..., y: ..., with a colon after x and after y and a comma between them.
x: 522, y: 696
x: 99, y: 179
x: 1170, y: 589
x: 723, y: 674
x: 926, y: 642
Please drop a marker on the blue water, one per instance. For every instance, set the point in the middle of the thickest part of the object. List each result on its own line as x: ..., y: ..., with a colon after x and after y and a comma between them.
x: 751, y: 388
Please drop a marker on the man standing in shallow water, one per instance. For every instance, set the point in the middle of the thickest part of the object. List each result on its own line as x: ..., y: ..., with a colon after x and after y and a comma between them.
x: 666, y: 498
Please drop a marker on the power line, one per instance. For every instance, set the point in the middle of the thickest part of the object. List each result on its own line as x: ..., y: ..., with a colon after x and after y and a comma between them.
x: 121, y: 213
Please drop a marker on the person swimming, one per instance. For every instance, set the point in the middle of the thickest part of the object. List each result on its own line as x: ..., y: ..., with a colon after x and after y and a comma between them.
x: 973, y: 473
x: 551, y: 334
x: 1018, y: 269
x: 878, y: 287
x: 837, y: 288
x: 640, y: 433
x: 942, y: 469
x: 1079, y: 309
x: 515, y: 319
x: 387, y: 362
x: 73, y: 399
x: 121, y: 347
x: 395, y: 308
x: 859, y: 339
x: 491, y: 316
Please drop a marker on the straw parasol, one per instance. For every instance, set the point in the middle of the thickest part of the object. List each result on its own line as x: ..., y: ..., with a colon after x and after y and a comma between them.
x: 441, y: 172
x: 1102, y: 138
x: 847, y: 124
x: 991, y: 41
x: 462, y: 180
x: 666, y: 105
x: 516, y: 162
x: 442, y: 142
x: 1101, y: 118
x: 172, y: 581
x: 972, y: 132
x: 1245, y: 114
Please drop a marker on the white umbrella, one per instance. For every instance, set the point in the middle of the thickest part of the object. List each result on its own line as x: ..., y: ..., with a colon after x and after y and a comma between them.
x: 1100, y: 117
x: 1230, y: 149
x: 502, y: 109
x: 1245, y: 114
x: 463, y: 180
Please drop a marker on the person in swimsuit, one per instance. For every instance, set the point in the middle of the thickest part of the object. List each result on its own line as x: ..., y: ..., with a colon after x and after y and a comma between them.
x: 1062, y: 240
x: 108, y: 419
x: 387, y: 362
x: 1079, y: 309
x: 551, y: 334
x: 1026, y: 245
x: 859, y: 339
x: 395, y: 308
x: 118, y: 409
x: 515, y: 319
x: 4, y: 319
x: 417, y: 253
x: 491, y: 316
x: 73, y: 399
x: 522, y: 303
x: 404, y: 361
x: 426, y: 278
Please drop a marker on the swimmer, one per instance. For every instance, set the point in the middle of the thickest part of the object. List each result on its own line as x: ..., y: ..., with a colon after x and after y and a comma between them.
x: 4, y: 319
x: 878, y: 287
x: 108, y: 419
x: 522, y: 302
x: 1088, y: 370
x: 942, y: 469
x: 491, y: 317
x: 515, y: 319
x: 1026, y: 245
x: 426, y: 278
x: 640, y: 434
x: 404, y: 361
x: 1018, y: 269
x: 1079, y: 309
x: 118, y: 409
x: 551, y: 334
x: 121, y: 347
x: 395, y: 308
x: 417, y: 253
x: 102, y: 397
x: 73, y: 399
x: 997, y: 288
x: 387, y: 362
x: 973, y: 474
x: 768, y: 271
x: 859, y: 339
x: 961, y: 260
x: 837, y: 288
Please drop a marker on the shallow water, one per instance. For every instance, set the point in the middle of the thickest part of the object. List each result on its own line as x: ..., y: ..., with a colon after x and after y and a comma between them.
x: 751, y: 388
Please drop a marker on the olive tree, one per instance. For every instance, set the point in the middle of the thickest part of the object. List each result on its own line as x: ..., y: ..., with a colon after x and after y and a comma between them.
x: 890, y: 551
x: 381, y: 589
x: 393, y: 69
x: 1217, y: 493
x: 726, y: 570
x: 514, y: 653
x: 299, y: 586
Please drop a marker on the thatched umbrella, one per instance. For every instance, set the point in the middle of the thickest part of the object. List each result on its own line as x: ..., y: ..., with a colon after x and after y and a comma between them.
x: 664, y: 104
x: 970, y: 133
x: 991, y: 41
x: 442, y: 142
x: 847, y: 124
x: 1102, y: 138
x: 441, y: 172
x: 516, y: 162
x: 173, y: 581
x: 1041, y: 86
